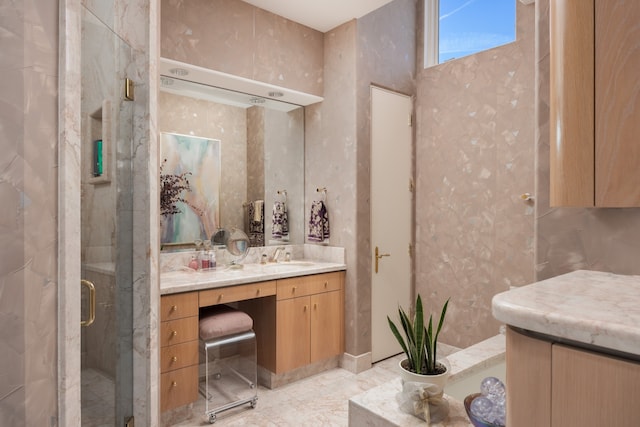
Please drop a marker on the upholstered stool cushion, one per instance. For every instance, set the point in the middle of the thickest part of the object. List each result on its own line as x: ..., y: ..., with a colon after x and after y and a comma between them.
x: 221, y: 320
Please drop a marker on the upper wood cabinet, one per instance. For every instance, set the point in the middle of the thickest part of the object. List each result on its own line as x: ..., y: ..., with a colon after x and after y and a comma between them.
x: 595, y: 103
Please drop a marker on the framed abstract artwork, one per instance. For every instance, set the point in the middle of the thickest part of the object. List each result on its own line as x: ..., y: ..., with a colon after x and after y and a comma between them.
x: 190, y: 187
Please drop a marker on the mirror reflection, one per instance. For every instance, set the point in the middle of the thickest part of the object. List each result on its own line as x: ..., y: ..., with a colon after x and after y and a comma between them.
x: 261, y: 143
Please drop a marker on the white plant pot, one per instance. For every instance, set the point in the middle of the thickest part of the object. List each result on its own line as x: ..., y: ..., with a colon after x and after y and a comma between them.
x: 439, y: 379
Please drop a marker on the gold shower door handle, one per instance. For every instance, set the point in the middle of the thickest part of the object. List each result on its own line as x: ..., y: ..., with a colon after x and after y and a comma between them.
x: 378, y: 256
x: 92, y: 302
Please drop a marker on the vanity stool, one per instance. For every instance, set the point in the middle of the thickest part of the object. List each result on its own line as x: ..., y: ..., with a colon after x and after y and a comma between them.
x: 228, y: 347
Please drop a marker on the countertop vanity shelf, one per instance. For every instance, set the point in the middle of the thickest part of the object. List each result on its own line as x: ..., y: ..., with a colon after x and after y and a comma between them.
x: 298, y: 316
x: 573, y: 350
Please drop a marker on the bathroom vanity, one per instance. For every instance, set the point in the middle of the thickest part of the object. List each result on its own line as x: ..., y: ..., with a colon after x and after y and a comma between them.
x: 298, y: 314
x: 573, y: 350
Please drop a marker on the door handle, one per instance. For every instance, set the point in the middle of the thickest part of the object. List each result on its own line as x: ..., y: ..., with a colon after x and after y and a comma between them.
x: 378, y: 256
x: 92, y: 302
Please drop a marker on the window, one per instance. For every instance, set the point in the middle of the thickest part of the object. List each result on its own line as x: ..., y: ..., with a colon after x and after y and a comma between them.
x: 457, y: 28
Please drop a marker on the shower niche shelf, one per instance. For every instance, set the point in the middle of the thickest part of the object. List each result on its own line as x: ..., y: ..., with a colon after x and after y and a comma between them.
x: 98, y: 145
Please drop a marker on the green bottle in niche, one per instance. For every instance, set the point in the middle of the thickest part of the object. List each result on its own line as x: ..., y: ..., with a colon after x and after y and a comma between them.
x: 97, y: 158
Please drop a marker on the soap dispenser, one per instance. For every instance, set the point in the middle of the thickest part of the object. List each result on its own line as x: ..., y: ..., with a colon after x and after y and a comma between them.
x: 193, y: 264
x: 204, y: 260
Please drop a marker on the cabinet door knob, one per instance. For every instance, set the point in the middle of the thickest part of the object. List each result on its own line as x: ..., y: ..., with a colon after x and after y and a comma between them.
x: 174, y: 308
x: 174, y: 333
x: 315, y: 306
x: 174, y: 359
x: 326, y: 284
x: 258, y: 291
x: 220, y: 297
x: 305, y: 308
x: 293, y: 290
x: 174, y: 384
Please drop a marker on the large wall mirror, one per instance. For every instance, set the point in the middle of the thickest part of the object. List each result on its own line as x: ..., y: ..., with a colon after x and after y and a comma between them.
x: 261, y: 158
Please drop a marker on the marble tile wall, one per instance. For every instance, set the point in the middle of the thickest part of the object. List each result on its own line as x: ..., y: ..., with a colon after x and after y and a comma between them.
x: 140, y: 26
x: 386, y: 46
x: 330, y: 160
x: 371, y: 50
x: 474, y: 158
x: 569, y: 239
x: 28, y: 218
x: 243, y: 40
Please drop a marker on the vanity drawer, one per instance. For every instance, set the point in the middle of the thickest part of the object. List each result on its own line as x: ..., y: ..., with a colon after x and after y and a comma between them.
x: 178, y: 331
x: 178, y: 356
x: 237, y: 293
x: 309, y: 285
x: 178, y: 388
x: 178, y: 306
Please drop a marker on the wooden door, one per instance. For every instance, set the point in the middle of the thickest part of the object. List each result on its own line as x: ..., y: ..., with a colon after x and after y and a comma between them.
x: 326, y: 325
x: 391, y: 214
x: 292, y: 337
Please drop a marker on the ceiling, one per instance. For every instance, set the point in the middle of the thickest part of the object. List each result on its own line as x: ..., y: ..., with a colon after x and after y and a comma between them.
x: 322, y: 15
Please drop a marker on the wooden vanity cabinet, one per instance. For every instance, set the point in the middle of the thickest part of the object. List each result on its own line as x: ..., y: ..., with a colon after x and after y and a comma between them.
x: 551, y: 384
x: 594, y: 108
x: 306, y: 322
x: 178, y: 350
x: 309, y: 325
x: 293, y: 334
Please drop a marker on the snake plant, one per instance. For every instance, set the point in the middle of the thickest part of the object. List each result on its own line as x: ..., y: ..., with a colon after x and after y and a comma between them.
x: 419, y: 342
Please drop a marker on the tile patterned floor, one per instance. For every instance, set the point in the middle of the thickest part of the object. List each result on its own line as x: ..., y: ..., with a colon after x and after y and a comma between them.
x: 320, y: 400
x: 98, y: 394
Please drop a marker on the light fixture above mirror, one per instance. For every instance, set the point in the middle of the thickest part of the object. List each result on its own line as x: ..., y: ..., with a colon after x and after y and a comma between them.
x: 170, y: 68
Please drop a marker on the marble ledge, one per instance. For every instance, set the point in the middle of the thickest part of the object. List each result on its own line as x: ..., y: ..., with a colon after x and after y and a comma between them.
x: 590, y: 307
x: 378, y: 408
x: 478, y: 357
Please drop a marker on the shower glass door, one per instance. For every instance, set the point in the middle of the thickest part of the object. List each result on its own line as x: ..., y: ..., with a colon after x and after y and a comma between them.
x: 106, y: 241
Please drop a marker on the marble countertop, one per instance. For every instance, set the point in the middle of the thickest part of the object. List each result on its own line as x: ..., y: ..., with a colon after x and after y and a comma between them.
x: 186, y: 280
x: 590, y: 307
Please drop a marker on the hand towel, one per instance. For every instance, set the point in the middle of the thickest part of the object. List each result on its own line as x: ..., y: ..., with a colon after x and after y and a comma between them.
x: 318, y: 222
x: 258, y: 210
x: 280, y: 221
x: 254, y: 222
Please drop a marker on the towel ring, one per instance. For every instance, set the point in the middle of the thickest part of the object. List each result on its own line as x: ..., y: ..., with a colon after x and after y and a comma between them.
x: 283, y: 193
x: 322, y: 190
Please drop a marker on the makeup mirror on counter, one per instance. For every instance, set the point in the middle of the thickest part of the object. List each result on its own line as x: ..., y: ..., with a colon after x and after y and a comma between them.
x: 237, y: 244
x: 260, y: 138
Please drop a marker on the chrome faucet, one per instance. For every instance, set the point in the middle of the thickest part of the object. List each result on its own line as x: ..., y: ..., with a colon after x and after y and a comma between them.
x: 276, y: 253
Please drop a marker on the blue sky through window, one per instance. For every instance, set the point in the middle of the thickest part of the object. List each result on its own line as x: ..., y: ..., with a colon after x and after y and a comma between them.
x: 469, y: 26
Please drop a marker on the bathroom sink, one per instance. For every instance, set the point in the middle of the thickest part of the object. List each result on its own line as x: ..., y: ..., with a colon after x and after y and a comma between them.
x: 298, y: 263
x: 287, y: 266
